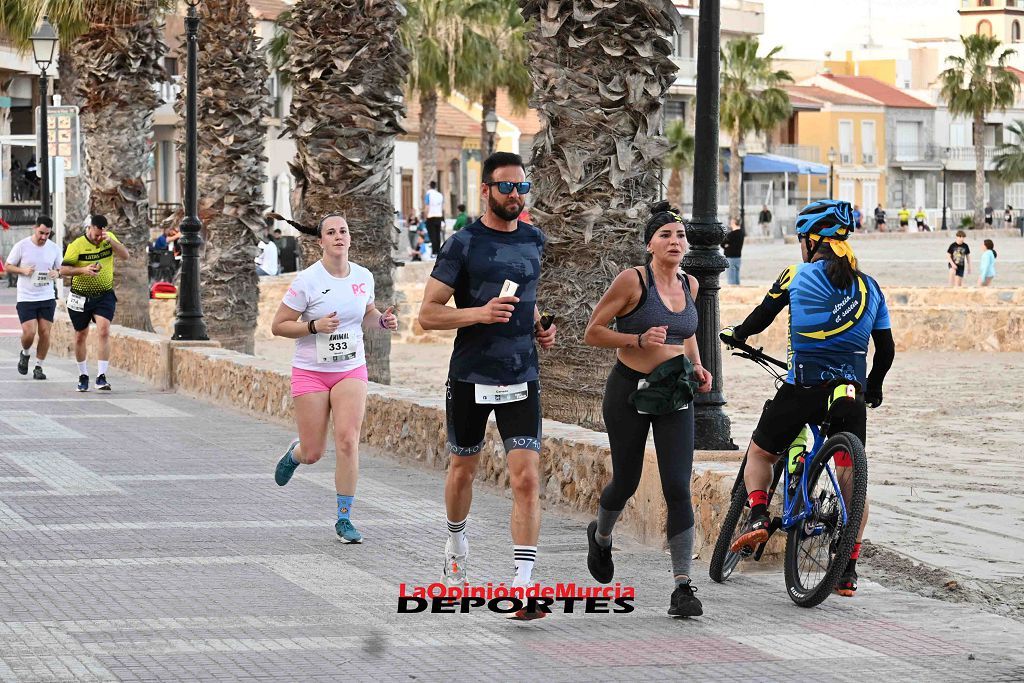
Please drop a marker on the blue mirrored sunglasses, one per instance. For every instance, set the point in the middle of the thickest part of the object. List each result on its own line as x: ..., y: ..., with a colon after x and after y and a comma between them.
x: 505, y: 186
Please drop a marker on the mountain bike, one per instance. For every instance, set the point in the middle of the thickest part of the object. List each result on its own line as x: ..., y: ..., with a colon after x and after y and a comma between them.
x: 821, y: 525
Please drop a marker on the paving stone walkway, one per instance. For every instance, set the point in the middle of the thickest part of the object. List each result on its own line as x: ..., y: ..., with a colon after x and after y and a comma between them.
x: 142, y: 538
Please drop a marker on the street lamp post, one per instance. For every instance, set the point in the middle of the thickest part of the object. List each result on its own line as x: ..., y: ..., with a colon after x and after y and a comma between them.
x: 704, y: 259
x: 944, y: 160
x: 491, y: 126
x: 831, y: 167
x: 189, y: 325
x: 44, y: 48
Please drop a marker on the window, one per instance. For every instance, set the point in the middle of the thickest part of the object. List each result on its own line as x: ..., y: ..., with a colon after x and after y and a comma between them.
x: 846, y: 142
x: 984, y: 28
x: 675, y: 109
x: 867, y: 142
x: 907, y: 140
x: 959, y: 192
x: 1015, y: 32
x: 987, y: 199
x: 869, y: 195
x: 960, y: 134
x: 847, y: 191
x: 1015, y: 195
x: 1009, y: 137
x: 984, y: 3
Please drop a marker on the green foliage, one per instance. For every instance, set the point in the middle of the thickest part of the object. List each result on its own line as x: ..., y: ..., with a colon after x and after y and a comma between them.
x: 751, y: 97
x: 967, y: 222
x: 971, y: 86
x: 1010, y: 156
x: 680, y: 154
x: 20, y: 18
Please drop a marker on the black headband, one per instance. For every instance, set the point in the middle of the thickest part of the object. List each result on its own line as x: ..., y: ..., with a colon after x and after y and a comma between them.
x: 658, y: 220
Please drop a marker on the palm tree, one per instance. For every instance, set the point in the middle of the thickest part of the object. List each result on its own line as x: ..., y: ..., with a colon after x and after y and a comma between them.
x: 972, y: 86
x: 346, y: 65
x: 678, y: 158
x: 1010, y: 155
x: 751, y: 100
x: 121, y: 55
x: 231, y: 171
x: 76, y: 189
x: 598, y: 90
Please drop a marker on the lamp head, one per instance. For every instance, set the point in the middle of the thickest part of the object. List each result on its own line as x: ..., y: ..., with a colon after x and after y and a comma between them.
x: 44, y: 44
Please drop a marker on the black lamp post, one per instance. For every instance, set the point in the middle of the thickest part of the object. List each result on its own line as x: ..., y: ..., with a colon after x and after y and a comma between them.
x: 491, y: 126
x: 743, y: 191
x: 189, y: 325
x: 831, y: 167
x: 944, y: 160
x: 44, y: 48
x: 704, y: 260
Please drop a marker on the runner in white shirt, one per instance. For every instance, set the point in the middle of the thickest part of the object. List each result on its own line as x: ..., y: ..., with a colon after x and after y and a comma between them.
x: 325, y: 311
x: 36, y: 261
x: 433, y: 204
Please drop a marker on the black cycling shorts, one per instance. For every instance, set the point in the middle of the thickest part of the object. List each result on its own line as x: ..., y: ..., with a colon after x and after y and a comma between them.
x: 519, y: 423
x: 794, y: 406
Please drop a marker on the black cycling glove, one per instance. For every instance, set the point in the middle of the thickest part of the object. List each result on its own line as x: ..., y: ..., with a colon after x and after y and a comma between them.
x: 873, y: 396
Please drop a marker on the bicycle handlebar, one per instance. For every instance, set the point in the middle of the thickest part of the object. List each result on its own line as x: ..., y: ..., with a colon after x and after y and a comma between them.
x: 750, y: 351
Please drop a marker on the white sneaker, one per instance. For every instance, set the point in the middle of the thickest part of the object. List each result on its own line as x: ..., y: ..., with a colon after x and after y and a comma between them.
x: 454, y: 565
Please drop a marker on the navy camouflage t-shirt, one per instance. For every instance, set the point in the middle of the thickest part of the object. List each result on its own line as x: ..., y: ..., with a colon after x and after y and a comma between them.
x: 475, y: 262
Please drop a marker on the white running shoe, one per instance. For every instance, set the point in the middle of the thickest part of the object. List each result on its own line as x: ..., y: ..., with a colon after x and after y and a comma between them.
x: 454, y: 565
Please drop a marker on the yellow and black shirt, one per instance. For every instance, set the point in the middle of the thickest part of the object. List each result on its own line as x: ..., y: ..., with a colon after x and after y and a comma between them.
x: 82, y: 252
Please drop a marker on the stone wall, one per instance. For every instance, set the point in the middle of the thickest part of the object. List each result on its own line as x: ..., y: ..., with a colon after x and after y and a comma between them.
x: 575, y: 462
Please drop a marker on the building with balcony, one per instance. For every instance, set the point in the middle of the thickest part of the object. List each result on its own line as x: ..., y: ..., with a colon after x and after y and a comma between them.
x: 19, y: 95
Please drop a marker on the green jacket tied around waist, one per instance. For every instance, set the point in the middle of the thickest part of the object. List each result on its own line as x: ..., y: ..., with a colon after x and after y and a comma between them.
x: 668, y: 389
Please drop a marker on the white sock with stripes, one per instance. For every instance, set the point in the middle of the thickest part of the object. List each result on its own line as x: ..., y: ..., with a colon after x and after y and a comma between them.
x: 525, y: 556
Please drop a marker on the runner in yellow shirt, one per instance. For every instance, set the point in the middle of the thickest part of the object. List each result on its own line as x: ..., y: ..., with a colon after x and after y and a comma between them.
x: 89, y: 260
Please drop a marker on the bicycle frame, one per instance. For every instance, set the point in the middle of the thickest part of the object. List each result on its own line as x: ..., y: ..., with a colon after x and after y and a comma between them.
x: 790, y: 516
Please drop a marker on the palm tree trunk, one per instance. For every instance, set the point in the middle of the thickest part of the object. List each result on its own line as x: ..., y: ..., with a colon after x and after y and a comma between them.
x: 120, y: 57
x: 231, y: 170
x: 675, y: 187
x: 428, y: 138
x: 347, y: 66
x: 596, y: 161
x: 979, y: 170
x: 735, y: 173
x: 76, y: 189
x: 489, y: 102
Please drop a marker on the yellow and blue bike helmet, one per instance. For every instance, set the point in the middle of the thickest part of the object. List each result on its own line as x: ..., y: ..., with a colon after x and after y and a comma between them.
x: 826, y: 218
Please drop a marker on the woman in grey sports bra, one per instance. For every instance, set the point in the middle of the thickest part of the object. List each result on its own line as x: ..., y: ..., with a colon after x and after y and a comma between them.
x: 655, y: 322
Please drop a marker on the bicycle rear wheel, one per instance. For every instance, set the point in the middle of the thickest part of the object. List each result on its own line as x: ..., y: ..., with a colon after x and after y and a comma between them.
x: 819, y: 547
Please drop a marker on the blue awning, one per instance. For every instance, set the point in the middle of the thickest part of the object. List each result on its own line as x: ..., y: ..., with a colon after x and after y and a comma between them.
x: 774, y: 163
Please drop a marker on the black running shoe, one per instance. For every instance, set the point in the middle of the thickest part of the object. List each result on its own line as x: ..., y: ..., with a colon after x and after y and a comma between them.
x: 684, y: 603
x: 599, y: 558
x: 83, y: 382
x: 37, y: 373
x: 22, y: 364
x: 754, y: 535
x: 101, y: 383
x: 847, y: 584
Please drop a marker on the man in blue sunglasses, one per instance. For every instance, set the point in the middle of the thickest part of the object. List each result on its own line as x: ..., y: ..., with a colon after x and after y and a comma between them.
x: 492, y: 268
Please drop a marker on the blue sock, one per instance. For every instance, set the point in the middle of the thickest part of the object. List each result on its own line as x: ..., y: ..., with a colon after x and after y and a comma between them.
x: 344, y: 506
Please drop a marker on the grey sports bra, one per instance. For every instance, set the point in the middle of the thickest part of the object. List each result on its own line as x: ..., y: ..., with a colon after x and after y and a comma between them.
x: 651, y: 311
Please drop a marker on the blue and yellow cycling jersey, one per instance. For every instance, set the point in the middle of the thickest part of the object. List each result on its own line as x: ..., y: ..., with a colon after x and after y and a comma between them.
x: 829, y: 328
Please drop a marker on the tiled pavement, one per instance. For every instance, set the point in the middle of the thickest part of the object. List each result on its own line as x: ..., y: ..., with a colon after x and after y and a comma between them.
x: 142, y: 538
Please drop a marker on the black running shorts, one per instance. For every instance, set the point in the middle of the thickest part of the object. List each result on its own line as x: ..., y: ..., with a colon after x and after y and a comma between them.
x: 794, y: 406
x: 519, y: 423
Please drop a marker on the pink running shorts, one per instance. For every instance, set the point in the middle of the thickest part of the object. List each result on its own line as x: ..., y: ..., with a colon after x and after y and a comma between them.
x: 310, y: 381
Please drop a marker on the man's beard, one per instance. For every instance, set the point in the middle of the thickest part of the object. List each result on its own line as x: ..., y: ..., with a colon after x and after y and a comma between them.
x: 503, y: 212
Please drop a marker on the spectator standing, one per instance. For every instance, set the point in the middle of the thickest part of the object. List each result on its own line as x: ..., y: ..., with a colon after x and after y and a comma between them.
x: 287, y: 251
x: 987, y: 269
x: 904, y: 215
x: 920, y: 218
x: 764, y: 221
x: 879, y: 218
x: 462, y: 220
x: 267, y: 261
x: 1008, y: 217
x: 988, y: 215
x: 959, y: 258
x: 433, y: 205
x: 856, y: 216
x: 733, y: 247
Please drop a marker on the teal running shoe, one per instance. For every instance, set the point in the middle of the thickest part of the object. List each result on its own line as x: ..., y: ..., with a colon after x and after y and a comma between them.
x: 285, y: 468
x: 347, y: 532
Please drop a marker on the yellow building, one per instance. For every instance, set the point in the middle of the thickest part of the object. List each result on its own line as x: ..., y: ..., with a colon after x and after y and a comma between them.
x: 850, y: 130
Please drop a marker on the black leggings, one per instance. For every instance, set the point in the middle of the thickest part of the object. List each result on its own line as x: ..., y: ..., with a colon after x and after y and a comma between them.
x: 627, y: 436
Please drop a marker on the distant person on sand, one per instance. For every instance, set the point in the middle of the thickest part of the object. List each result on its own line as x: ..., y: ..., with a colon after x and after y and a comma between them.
x: 987, y: 269
x: 733, y: 248
x: 959, y: 259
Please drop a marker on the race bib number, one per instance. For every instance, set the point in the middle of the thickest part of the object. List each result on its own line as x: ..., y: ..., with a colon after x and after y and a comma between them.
x: 41, y: 278
x: 76, y: 302
x: 335, y: 347
x: 489, y: 394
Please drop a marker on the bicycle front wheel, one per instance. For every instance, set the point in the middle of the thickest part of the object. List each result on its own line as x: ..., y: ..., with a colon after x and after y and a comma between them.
x: 818, y: 548
x: 723, y: 560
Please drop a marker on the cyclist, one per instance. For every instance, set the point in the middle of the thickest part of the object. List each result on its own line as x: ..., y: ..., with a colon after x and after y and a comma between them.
x: 834, y: 310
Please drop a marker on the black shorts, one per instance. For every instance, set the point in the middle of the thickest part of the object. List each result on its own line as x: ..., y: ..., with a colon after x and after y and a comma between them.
x: 959, y: 269
x: 34, y: 310
x: 903, y: 223
x: 102, y: 305
x: 519, y: 423
x: 794, y: 406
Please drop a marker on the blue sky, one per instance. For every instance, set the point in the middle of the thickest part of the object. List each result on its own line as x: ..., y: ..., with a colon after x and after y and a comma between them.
x: 807, y: 28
